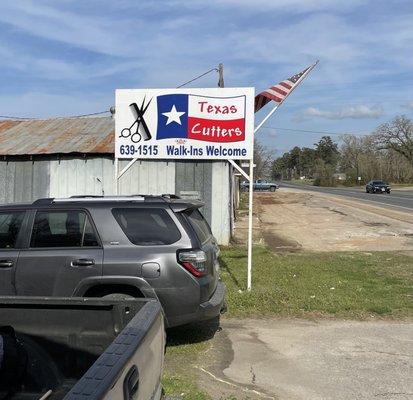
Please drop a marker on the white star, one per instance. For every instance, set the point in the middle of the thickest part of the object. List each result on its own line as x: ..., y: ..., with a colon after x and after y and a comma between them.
x: 173, y: 115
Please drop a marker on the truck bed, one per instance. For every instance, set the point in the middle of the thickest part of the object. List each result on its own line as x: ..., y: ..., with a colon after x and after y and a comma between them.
x: 88, y: 348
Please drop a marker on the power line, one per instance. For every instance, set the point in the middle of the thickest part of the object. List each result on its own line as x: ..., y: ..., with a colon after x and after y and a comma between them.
x: 199, y: 76
x: 317, y: 132
x: 101, y: 112
x: 61, y: 117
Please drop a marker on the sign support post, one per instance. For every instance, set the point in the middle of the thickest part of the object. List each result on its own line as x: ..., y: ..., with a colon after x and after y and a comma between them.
x: 116, y: 175
x: 250, y: 199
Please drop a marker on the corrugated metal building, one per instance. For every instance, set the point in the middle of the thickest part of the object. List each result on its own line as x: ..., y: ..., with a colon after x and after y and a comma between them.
x: 69, y: 156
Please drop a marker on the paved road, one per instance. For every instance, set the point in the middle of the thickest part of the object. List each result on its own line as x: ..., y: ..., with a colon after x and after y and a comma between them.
x: 398, y: 199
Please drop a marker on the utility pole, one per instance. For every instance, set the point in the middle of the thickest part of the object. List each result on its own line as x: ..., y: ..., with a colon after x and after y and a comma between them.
x: 221, y: 75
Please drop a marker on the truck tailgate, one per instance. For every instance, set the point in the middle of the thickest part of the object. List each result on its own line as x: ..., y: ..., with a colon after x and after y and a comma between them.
x: 130, y: 368
x: 88, y: 348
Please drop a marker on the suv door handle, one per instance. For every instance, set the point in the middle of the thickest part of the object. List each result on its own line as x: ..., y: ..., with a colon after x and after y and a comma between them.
x: 83, y: 262
x: 6, y: 263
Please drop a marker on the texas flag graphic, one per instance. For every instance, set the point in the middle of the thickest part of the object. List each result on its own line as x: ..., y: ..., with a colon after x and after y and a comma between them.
x: 211, y: 119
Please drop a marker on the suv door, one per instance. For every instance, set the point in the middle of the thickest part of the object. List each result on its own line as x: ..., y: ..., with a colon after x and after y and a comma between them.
x: 62, y: 250
x: 11, y: 223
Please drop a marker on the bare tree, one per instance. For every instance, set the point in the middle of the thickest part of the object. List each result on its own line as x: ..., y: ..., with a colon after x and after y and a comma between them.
x: 263, y: 159
x: 396, y: 135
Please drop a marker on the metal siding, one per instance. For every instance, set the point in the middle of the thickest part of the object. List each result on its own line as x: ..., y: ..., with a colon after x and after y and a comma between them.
x: 147, y: 177
x: 41, y: 179
x: 221, y: 209
x: 23, y: 181
x: 196, y: 176
x: 76, y: 176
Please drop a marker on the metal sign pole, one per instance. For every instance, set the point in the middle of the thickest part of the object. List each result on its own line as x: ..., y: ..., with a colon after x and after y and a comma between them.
x: 116, y: 175
x: 251, y: 191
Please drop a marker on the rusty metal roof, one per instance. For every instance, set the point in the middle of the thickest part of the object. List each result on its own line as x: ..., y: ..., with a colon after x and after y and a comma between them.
x: 57, y: 136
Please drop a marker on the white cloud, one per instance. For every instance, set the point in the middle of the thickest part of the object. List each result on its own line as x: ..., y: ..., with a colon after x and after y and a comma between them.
x: 408, y: 105
x: 165, y: 43
x: 351, y: 112
x: 88, y: 32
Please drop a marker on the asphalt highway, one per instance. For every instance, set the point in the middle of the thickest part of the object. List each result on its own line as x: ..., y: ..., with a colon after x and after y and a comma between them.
x: 399, y: 199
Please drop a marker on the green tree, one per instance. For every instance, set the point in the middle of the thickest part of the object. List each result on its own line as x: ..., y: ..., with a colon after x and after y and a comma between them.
x: 327, y: 150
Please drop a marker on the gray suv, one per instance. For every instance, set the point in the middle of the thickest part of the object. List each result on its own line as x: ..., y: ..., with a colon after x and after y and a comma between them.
x: 91, y: 246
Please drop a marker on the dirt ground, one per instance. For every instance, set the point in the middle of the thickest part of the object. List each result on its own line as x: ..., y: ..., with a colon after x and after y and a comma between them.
x: 294, y: 220
x: 317, y: 358
x: 294, y: 359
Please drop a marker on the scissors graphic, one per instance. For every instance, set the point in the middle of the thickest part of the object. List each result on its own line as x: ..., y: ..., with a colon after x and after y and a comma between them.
x: 142, y: 131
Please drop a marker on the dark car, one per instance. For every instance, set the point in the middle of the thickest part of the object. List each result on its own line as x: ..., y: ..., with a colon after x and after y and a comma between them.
x: 140, y: 246
x: 378, y: 187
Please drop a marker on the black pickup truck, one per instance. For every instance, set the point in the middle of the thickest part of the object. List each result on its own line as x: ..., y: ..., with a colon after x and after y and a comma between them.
x: 80, y: 349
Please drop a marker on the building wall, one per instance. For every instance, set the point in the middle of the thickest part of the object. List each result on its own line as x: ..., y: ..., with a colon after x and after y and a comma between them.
x: 195, y: 177
x: 23, y: 180
x: 221, y: 199
x: 95, y: 175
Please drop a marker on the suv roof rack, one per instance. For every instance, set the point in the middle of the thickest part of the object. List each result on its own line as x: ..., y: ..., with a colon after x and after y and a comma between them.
x: 98, y: 198
x: 169, y: 198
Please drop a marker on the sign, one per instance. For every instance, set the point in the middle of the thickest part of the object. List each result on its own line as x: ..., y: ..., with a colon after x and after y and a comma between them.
x: 210, y: 123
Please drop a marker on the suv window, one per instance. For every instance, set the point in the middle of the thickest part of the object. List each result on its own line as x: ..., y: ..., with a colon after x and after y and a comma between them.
x: 147, y: 226
x: 63, y: 229
x: 199, y: 225
x: 10, y: 224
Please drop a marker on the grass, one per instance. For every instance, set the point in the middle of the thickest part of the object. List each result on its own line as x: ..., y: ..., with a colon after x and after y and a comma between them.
x: 302, y: 181
x: 182, y: 387
x: 351, y: 285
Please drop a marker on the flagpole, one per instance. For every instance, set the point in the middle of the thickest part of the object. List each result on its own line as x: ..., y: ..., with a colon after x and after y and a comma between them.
x: 278, y: 105
x: 265, y: 119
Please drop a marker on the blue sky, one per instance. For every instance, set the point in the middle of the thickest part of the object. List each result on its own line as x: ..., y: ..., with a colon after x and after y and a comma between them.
x: 67, y: 57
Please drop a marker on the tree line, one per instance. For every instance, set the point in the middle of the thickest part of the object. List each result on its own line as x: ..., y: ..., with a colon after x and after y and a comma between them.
x: 386, y: 153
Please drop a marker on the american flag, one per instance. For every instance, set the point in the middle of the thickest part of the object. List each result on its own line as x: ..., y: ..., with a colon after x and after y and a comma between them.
x: 279, y: 92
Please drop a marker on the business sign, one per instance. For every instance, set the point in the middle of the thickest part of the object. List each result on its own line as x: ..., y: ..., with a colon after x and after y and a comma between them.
x: 185, y: 123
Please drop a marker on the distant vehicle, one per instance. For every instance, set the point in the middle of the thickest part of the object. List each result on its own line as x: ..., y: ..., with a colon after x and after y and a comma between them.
x: 132, y: 246
x: 260, y: 184
x: 73, y: 349
x: 378, y: 187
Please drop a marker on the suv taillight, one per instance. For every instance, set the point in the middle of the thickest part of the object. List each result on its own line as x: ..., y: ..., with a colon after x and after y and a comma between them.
x: 194, y: 261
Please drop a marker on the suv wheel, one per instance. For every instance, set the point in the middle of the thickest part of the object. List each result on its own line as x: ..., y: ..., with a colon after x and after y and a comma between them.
x: 272, y: 189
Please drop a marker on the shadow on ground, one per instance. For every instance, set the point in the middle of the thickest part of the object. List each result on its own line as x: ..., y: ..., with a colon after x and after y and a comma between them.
x: 224, y: 267
x: 193, y: 333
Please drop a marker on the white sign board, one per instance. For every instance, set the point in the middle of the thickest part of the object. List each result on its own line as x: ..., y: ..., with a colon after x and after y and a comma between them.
x: 209, y: 123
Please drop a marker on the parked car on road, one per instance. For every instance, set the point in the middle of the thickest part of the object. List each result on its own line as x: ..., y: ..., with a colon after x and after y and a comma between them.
x: 139, y: 246
x: 72, y: 349
x: 260, y: 184
x: 378, y: 187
